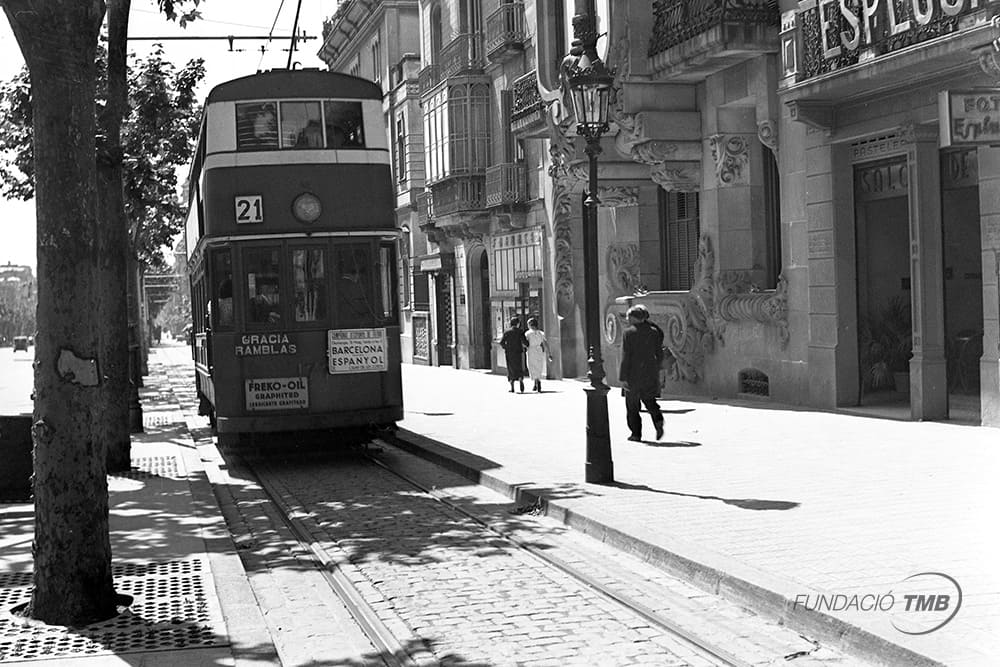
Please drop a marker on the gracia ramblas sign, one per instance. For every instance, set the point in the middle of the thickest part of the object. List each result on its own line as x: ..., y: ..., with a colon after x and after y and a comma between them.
x: 918, y: 605
x: 969, y: 117
x: 264, y: 344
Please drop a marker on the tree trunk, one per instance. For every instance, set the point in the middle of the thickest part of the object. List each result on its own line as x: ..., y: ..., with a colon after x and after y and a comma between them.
x: 72, y: 551
x: 113, y: 411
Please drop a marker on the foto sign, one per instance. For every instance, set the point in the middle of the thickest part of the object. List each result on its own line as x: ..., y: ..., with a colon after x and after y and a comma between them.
x: 969, y: 117
x: 357, y: 350
x: 277, y: 393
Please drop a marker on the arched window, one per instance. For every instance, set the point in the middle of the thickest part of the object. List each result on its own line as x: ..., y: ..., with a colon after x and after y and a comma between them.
x: 437, y: 34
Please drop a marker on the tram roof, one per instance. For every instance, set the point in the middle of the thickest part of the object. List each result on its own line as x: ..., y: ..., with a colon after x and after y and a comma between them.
x: 283, y: 83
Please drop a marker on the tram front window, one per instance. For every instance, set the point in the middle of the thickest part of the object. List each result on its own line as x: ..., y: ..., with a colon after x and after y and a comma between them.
x: 263, y: 266
x: 301, y: 125
x: 353, y: 296
x: 309, y: 284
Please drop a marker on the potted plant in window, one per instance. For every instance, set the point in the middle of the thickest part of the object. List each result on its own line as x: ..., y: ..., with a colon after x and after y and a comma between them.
x: 886, y: 346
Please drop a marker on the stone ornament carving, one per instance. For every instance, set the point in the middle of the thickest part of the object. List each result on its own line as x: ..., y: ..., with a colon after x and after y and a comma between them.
x: 736, y: 300
x: 623, y: 268
x: 560, y: 152
x: 676, y: 179
x: 613, y: 197
x: 731, y: 154
x: 767, y: 132
x: 695, y: 320
x: 687, y: 320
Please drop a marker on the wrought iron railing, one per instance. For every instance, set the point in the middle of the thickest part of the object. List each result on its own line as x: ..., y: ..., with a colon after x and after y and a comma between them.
x: 505, y: 184
x: 429, y: 77
x: 505, y: 28
x: 462, y: 193
x: 462, y: 55
x: 677, y: 21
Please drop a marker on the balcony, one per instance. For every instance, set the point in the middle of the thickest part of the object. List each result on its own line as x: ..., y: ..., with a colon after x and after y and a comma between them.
x: 505, y: 184
x: 457, y: 194
x: 694, y: 38
x: 462, y: 55
x: 527, y: 108
x: 429, y: 77
x: 424, y: 213
x: 505, y: 35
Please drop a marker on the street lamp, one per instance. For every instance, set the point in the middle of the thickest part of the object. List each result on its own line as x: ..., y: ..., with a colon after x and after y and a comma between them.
x: 590, y: 88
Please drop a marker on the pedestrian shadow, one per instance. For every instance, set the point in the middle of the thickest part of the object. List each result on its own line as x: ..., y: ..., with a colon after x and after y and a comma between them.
x: 755, y: 504
x: 678, y: 411
x: 676, y: 443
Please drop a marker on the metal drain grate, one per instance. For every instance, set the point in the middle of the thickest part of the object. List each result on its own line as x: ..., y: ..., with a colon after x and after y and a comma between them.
x: 754, y: 383
x: 153, y: 466
x: 170, y: 610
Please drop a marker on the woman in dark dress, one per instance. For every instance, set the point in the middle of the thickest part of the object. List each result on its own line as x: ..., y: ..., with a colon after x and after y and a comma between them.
x: 514, y: 345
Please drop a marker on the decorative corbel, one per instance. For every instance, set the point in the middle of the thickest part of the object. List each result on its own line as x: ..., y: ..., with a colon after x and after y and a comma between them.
x: 731, y: 153
x: 767, y: 132
x: 817, y: 115
x: 989, y: 55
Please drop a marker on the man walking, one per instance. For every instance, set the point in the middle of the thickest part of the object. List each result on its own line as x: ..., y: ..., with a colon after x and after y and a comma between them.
x: 639, y: 373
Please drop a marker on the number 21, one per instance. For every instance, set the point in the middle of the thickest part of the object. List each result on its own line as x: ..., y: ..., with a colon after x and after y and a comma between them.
x: 249, y: 209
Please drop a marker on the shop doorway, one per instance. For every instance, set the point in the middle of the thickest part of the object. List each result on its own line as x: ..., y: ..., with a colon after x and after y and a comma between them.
x: 885, y: 324
x: 482, y: 333
x: 443, y: 314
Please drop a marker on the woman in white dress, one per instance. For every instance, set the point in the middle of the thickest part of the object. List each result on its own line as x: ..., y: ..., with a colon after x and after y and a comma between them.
x: 538, y: 353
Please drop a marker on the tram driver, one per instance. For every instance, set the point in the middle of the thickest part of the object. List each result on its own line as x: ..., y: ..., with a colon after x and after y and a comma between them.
x: 264, y: 305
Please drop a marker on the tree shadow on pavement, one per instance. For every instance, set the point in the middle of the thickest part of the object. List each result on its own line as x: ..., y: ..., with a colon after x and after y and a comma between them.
x: 742, y: 503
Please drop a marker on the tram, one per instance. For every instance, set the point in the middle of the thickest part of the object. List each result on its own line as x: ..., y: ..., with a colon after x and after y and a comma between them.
x: 291, y: 248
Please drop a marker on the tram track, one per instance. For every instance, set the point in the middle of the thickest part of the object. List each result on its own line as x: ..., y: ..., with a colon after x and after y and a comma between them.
x: 396, y: 650
x: 705, y: 648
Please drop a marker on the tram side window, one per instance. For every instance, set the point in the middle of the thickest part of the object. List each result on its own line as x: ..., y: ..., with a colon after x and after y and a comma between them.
x: 309, y: 284
x: 222, y: 272
x: 263, y: 271
x: 301, y: 125
x: 387, y: 282
x: 353, y: 295
x: 256, y: 126
x: 344, y: 124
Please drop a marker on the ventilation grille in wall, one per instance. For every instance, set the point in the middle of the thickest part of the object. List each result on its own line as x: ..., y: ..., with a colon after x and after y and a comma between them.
x: 754, y: 383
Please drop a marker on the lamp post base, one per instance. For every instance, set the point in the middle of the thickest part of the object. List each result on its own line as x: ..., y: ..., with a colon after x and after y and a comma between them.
x: 600, y: 468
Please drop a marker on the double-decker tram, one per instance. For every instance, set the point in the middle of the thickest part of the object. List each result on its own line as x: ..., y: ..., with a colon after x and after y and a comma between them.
x: 291, y: 249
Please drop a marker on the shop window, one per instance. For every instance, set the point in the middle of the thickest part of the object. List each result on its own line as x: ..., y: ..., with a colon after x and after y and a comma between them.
x: 308, y: 284
x: 256, y: 126
x: 263, y: 271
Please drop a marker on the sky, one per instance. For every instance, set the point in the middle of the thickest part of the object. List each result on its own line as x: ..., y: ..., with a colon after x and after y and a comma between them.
x: 219, y: 18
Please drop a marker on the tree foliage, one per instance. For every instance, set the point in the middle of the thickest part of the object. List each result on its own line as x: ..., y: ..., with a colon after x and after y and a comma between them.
x: 158, y: 136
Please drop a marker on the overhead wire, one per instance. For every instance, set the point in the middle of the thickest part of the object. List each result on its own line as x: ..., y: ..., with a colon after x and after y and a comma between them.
x: 271, y: 33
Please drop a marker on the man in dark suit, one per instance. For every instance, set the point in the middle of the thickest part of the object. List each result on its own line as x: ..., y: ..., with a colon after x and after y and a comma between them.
x: 639, y: 372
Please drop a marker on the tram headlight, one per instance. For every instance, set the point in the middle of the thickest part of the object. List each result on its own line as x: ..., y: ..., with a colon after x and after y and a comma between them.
x: 307, y: 207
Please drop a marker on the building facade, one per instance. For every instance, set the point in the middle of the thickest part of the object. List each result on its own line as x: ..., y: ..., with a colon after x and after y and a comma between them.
x: 802, y: 192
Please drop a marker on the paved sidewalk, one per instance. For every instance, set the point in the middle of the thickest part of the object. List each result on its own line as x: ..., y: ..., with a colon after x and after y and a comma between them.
x: 771, y: 507
x: 171, y: 550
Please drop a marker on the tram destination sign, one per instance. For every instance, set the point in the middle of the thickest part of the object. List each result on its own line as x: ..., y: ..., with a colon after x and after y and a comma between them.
x: 970, y: 117
x: 357, y: 350
x: 277, y: 393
